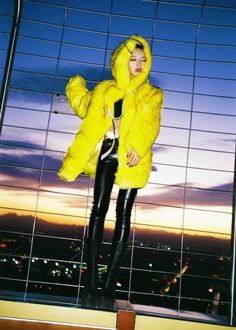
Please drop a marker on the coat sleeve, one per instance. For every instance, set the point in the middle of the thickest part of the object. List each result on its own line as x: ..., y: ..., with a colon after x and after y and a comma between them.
x: 78, y: 95
x: 146, y: 124
x: 91, y: 131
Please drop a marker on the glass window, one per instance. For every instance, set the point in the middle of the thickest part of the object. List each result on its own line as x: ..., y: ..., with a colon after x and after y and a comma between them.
x: 208, y: 200
x: 161, y: 194
x: 177, y: 100
x: 156, y: 215
x: 217, y: 35
x: 230, y: 3
x: 6, y: 23
x: 14, y: 267
x: 193, y: 2
x: 37, y: 47
x: 127, y: 25
x: 215, y: 87
x: 167, y: 174
x: 219, y: 16
x: 214, y: 123
x: 4, y: 41
x: 20, y: 176
x: 35, y: 64
x: 84, y: 38
x: 43, y: 12
x: 170, y: 155
x: 64, y: 123
x: 204, y: 178
x: 102, y: 5
x: 173, y: 136
x: 175, y: 118
x: 28, y: 100
x: 216, y: 70
x: 177, y: 83
x: 31, y: 138
x: 26, y: 118
x: 3, y: 56
x: 209, y: 221
x: 175, y: 31
x: 59, y: 226
x: 212, y: 141
x: 216, y: 52
x: 142, y: 8
x: 32, y: 81
x: 88, y: 71
x: 87, y: 20
x: 182, y: 219
x: 63, y: 204
x: 51, y: 293
x: 211, y: 160
x: 179, y: 12
x: 172, y: 65
x: 212, y: 243
x: 20, y: 156
x: 18, y: 198
x: 59, y: 141
x: 214, y: 104
x: 76, y: 53
x: 173, y: 49
x: 40, y: 30
x: 6, y: 7
x: 13, y: 220
x: 11, y: 289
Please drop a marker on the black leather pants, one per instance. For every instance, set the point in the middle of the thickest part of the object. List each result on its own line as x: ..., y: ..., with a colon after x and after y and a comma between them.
x: 105, y: 176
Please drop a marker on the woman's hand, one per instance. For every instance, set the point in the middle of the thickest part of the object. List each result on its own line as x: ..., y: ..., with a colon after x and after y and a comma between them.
x: 132, y: 158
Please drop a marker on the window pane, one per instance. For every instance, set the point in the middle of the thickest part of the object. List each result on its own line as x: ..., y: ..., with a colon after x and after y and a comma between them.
x: 179, y: 12
x: 124, y: 25
x: 175, y: 31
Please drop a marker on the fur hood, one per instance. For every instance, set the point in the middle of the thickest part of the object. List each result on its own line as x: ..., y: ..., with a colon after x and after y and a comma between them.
x: 120, y: 63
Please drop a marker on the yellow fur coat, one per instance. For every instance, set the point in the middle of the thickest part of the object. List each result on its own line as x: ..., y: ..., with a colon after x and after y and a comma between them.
x: 140, y: 123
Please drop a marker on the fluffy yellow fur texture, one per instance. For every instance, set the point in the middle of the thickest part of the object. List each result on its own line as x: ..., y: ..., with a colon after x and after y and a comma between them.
x: 140, y: 123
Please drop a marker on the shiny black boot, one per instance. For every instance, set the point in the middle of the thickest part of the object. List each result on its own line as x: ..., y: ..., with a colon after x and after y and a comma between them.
x: 90, y: 293
x: 107, y: 300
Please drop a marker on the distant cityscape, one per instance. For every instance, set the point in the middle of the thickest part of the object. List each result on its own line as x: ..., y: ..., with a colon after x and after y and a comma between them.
x: 155, y: 271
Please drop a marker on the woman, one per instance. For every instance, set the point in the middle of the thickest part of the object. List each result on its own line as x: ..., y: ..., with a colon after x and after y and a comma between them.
x: 121, y: 120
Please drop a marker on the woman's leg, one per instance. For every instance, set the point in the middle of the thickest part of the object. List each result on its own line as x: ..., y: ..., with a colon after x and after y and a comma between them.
x: 104, y: 180
x: 124, y: 206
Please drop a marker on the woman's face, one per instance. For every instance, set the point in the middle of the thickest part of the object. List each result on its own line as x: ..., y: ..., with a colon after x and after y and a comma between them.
x: 137, y: 62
